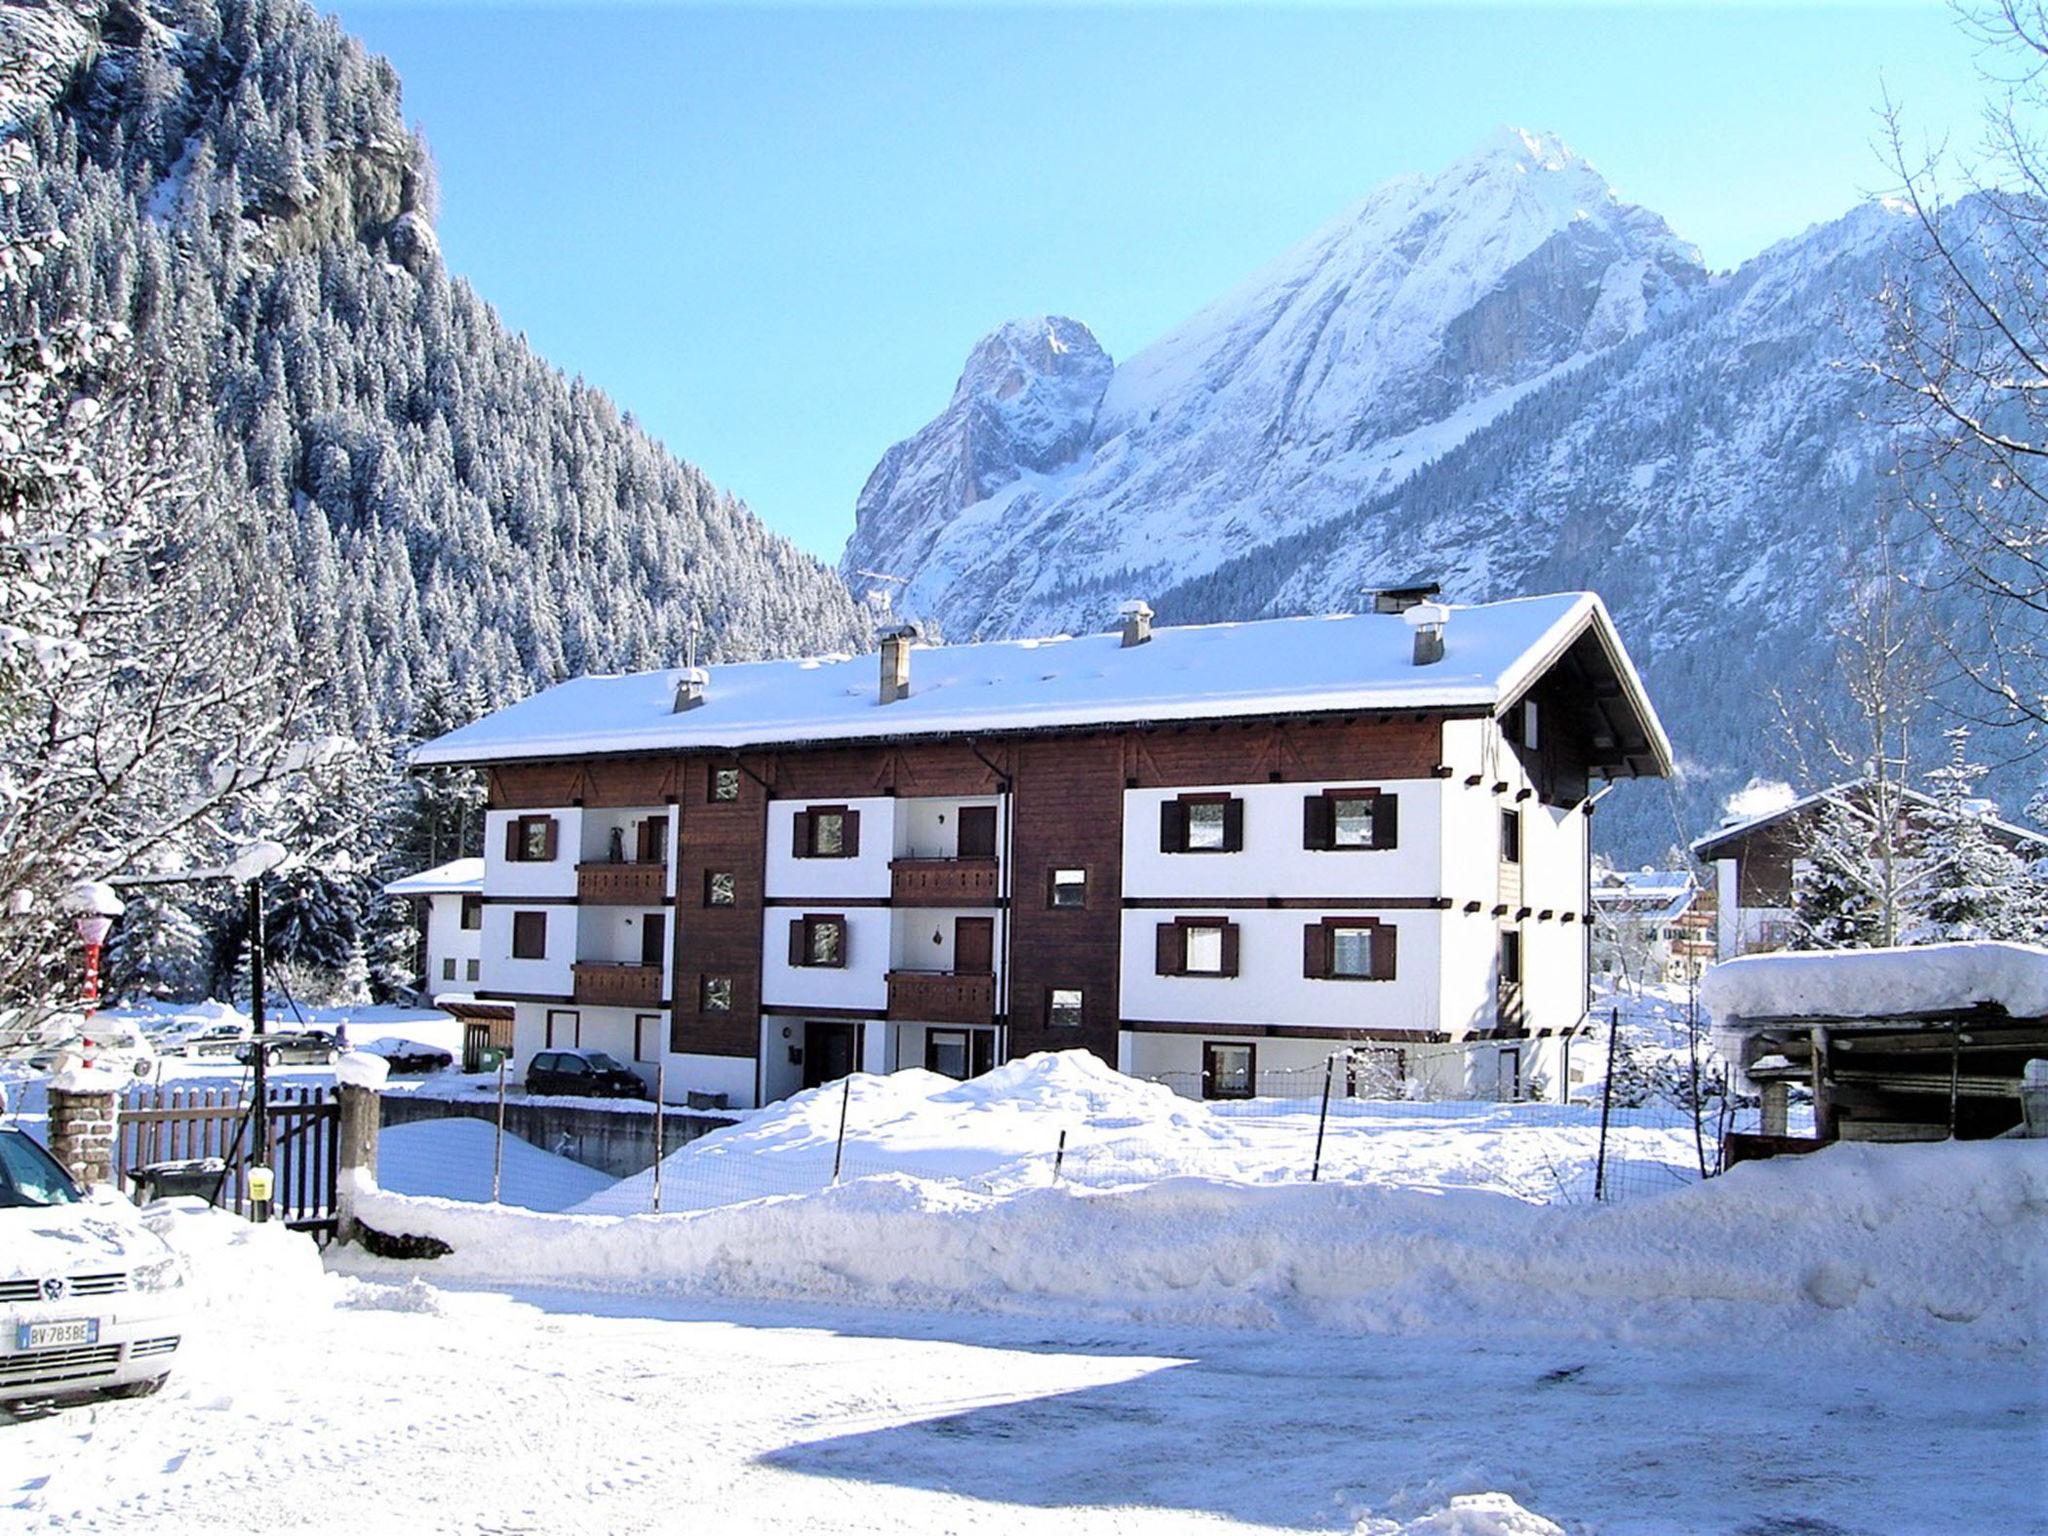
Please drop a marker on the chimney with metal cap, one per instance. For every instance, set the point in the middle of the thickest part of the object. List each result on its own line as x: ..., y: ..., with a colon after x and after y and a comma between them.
x: 1136, y: 619
x: 690, y: 685
x: 896, y: 645
x: 1400, y: 598
x: 1428, y: 621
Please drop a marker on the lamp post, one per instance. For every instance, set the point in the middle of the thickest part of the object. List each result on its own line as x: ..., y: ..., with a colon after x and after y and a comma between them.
x: 96, y: 907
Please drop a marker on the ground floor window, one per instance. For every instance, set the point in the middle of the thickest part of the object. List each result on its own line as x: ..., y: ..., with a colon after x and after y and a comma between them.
x: 959, y: 1053
x: 646, y: 1036
x: 564, y: 1029
x: 1229, y: 1071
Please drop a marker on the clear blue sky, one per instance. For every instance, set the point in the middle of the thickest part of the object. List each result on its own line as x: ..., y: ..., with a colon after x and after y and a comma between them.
x: 774, y: 234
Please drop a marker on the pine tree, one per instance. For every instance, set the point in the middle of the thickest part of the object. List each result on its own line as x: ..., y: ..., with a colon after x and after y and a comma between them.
x: 1969, y: 885
x: 1835, y: 889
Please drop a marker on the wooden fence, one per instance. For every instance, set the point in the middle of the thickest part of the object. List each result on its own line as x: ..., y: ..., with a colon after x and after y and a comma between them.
x: 173, y: 1124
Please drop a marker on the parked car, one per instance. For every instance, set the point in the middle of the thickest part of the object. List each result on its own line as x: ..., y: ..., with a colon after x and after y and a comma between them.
x: 103, y: 1043
x: 301, y: 1048
x: 91, y: 1301
x: 209, y: 1040
x: 404, y: 1056
x: 583, y: 1074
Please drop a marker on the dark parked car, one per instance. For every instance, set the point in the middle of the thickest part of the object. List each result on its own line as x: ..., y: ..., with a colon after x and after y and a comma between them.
x: 582, y: 1074
x: 305, y: 1048
x: 407, y: 1056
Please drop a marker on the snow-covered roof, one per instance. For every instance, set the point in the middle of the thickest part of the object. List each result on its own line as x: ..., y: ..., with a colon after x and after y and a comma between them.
x: 457, y: 876
x: 1758, y: 990
x: 1493, y: 653
x: 1735, y: 831
x: 1665, y: 892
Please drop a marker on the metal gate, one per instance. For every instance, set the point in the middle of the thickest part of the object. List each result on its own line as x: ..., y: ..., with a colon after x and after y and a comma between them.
x: 172, y: 1124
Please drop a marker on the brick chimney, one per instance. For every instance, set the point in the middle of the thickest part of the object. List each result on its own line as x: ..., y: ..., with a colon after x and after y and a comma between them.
x: 1135, y: 617
x: 896, y: 645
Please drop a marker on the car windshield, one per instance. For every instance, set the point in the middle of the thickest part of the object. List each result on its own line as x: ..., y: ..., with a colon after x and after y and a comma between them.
x: 600, y: 1062
x: 30, y: 1176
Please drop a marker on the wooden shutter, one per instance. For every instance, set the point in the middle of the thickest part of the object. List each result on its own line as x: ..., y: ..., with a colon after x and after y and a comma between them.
x: 1383, y: 952
x: 1230, y: 949
x: 801, y: 845
x: 1315, y: 950
x: 512, y: 840
x: 797, y: 953
x: 1173, y: 827
x: 1318, y: 822
x: 548, y: 841
x: 849, y: 843
x: 1233, y: 826
x: 1386, y: 821
x: 643, y: 840
x: 1169, y: 952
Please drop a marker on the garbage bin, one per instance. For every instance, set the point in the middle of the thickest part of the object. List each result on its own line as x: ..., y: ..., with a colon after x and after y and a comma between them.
x: 489, y: 1058
x: 201, y: 1176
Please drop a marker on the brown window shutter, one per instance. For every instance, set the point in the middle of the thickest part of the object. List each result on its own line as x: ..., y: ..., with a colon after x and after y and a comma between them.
x: 796, y: 941
x: 1383, y: 952
x: 1386, y: 821
x: 548, y: 843
x: 1167, y: 953
x: 1315, y: 951
x: 512, y: 841
x: 1318, y: 822
x: 1173, y: 827
x: 1233, y: 826
x: 1230, y: 949
x: 850, y: 844
x: 802, y: 842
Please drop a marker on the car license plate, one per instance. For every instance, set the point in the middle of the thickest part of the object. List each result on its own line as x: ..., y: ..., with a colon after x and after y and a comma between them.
x: 77, y: 1330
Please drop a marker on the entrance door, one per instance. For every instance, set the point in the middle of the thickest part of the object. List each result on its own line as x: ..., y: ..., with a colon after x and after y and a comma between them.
x: 830, y: 1051
x: 651, y: 930
x: 1509, y: 1088
x: 977, y: 831
x: 974, y: 945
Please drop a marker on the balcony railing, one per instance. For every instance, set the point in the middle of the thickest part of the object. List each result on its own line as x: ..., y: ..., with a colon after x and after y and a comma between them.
x: 603, y: 984
x: 622, y: 885
x: 943, y: 882
x: 942, y: 997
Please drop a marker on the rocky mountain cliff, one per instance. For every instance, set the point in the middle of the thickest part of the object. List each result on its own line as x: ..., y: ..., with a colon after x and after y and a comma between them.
x: 1502, y: 378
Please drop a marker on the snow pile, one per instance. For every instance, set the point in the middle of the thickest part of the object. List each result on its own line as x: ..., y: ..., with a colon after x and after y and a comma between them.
x: 232, y: 1265
x: 1876, y: 983
x: 1942, y: 1244
x: 361, y: 1069
x: 1470, y: 1514
x: 452, y: 1159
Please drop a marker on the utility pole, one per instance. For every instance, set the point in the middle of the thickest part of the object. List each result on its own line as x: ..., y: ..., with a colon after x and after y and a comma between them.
x: 259, y: 1152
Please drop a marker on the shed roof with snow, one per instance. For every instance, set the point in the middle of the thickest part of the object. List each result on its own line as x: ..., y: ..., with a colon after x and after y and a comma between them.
x: 458, y: 877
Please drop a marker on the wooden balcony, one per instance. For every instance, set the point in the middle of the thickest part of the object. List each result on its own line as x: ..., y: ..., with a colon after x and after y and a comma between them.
x: 606, y: 985
x: 622, y: 885
x: 942, y: 997
x: 943, y: 882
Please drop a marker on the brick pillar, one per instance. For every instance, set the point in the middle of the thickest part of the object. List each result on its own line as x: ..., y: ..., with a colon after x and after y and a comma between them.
x: 361, y: 1117
x: 82, y: 1133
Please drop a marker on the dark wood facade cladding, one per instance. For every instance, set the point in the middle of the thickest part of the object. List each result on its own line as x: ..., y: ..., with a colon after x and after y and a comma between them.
x: 1067, y: 812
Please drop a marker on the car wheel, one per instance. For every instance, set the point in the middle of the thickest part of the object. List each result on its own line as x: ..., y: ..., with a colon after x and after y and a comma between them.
x: 275, y: 1055
x: 148, y: 1388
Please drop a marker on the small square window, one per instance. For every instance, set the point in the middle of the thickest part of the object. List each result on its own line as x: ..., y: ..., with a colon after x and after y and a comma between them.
x: 530, y: 840
x: 1351, y: 821
x: 1063, y: 1009
x: 448, y: 969
x: 529, y: 935
x: 828, y: 834
x: 822, y: 941
x: 1351, y: 952
x: 719, y: 889
x: 472, y: 911
x: 1070, y: 888
x: 1205, y: 824
x: 471, y: 969
x: 715, y: 994
x: 725, y: 784
x: 1204, y: 955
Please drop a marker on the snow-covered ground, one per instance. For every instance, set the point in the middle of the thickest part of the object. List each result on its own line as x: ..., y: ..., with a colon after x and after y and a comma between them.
x: 1869, y: 1369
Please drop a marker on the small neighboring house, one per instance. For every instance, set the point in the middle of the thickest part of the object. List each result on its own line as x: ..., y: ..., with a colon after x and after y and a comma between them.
x: 1213, y: 855
x: 1656, y: 923
x: 448, y: 907
x: 1754, y: 860
x: 1916, y: 1044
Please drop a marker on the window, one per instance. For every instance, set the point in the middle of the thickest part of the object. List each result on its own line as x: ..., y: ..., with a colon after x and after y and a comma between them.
x: 1196, y: 946
x: 1519, y: 724
x: 1348, y: 949
x: 470, y: 970
x: 1069, y: 888
x: 646, y: 1036
x: 719, y: 889
x: 529, y: 935
x: 1063, y: 1007
x: 650, y: 841
x: 1201, y: 824
x: 1511, y: 837
x: 827, y: 832
x: 564, y: 1027
x: 725, y: 785
x: 448, y: 969
x: 1350, y: 818
x: 1228, y: 1071
x: 472, y: 912
x: 819, y: 940
x: 530, y: 840
x: 714, y: 994
x: 1510, y: 959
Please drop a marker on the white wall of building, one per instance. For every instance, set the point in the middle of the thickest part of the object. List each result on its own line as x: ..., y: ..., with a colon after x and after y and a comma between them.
x: 733, y: 1076
x: 550, y: 976
x: 929, y: 827
x: 552, y: 877
x: 447, y: 940
x: 865, y: 874
x: 861, y: 983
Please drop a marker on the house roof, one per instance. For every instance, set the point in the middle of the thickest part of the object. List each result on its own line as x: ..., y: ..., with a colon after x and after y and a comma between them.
x: 456, y: 877
x: 1719, y: 843
x: 1493, y: 654
x: 1663, y: 892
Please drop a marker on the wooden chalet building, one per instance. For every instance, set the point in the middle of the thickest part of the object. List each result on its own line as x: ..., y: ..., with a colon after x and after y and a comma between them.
x: 1204, y: 853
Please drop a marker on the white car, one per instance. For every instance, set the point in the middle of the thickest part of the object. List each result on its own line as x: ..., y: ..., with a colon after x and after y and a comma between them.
x: 210, y: 1040
x: 91, y: 1301
x: 103, y: 1043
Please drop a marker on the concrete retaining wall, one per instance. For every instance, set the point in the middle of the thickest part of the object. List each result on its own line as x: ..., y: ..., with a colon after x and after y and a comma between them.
x: 619, y: 1142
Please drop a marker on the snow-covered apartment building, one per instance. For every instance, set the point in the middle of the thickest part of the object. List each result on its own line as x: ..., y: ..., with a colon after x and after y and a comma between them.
x: 1206, y: 853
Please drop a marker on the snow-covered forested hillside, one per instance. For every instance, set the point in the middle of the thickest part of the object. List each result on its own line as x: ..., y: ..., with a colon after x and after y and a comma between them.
x: 446, y: 521
x: 1501, y: 377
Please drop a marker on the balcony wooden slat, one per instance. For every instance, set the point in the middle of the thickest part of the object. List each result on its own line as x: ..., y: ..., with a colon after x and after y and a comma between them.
x: 622, y: 885
x: 617, y: 986
x: 942, y: 997
x: 943, y: 882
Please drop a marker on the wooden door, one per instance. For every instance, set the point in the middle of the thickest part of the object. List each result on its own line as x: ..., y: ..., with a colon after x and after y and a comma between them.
x: 974, y: 946
x: 830, y: 1051
x: 652, y: 927
x: 977, y: 832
